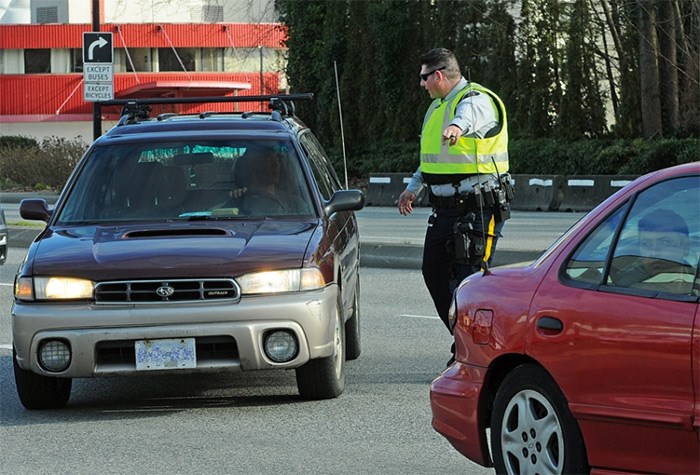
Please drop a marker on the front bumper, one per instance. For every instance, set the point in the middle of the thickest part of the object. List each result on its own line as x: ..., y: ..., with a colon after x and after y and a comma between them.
x: 102, y: 337
x: 454, y: 400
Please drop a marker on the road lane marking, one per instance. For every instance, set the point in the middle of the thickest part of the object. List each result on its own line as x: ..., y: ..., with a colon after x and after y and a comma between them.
x: 8, y: 285
x: 420, y: 316
x: 6, y: 346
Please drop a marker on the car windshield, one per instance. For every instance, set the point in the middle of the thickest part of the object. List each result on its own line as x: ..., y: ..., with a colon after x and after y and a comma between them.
x: 188, y: 181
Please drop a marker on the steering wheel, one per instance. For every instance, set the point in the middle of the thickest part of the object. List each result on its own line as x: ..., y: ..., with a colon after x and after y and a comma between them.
x: 222, y: 184
x: 260, y: 201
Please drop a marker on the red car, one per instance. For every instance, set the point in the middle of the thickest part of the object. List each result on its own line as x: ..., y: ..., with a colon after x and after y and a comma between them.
x: 589, y: 358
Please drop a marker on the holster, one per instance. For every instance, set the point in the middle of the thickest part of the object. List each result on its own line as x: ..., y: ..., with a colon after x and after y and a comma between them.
x: 467, y: 246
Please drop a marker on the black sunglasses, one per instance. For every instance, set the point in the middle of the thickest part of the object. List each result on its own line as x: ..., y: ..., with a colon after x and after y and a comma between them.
x: 425, y: 76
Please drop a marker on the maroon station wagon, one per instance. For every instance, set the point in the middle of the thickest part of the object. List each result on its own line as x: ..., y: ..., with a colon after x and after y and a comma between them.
x: 192, y: 243
x: 589, y: 358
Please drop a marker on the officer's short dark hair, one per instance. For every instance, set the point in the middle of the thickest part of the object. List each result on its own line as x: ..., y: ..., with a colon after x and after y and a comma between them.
x: 439, y: 57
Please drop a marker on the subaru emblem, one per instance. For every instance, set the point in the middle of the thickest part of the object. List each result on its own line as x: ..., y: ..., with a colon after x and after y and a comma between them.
x: 165, y: 291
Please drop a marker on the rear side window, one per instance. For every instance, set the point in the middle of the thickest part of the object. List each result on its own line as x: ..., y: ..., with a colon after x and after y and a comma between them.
x: 652, y: 250
x: 322, y: 170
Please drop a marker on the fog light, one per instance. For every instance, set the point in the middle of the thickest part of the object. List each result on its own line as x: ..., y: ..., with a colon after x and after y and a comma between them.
x: 54, y: 355
x: 281, y: 346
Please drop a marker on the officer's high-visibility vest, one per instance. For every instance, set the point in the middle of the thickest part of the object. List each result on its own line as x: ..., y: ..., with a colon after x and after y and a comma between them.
x: 442, y: 163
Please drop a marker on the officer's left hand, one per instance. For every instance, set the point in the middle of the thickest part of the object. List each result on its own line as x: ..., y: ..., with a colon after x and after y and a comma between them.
x: 451, y: 134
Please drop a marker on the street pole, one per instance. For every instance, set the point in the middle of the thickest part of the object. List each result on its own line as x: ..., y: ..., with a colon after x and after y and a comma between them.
x: 262, y: 80
x: 96, y: 107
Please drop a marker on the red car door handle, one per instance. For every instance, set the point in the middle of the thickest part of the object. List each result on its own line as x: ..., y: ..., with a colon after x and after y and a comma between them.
x: 550, y: 325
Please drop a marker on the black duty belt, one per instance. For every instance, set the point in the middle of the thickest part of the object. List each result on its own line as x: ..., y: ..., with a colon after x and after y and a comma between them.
x: 462, y: 200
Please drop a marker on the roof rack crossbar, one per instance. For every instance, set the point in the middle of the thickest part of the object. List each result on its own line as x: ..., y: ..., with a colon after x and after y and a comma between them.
x: 197, y: 100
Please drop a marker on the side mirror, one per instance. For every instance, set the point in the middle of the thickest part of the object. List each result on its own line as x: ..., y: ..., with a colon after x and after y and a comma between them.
x: 35, y: 209
x: 345, y: 200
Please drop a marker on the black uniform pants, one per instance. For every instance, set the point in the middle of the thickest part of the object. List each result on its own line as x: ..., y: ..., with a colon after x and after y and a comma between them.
x: 440, y: 273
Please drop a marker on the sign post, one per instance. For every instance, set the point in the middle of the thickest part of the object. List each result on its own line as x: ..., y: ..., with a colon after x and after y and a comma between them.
x: 98, y: 68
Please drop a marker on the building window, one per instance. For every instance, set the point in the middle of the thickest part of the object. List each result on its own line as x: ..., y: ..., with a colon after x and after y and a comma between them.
x: 168, y: 60
x: 37, y: 61
x: 212, y: 59
x: 76, y: 60
x: 212, y: 13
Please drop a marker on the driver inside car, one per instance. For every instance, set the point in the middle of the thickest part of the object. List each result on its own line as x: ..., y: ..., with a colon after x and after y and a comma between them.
x: 662, y: 264
x: 257, y: 175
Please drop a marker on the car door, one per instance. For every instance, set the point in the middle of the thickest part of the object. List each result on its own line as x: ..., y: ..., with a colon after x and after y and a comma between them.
x: 621, y: 352
x: 341, y: 226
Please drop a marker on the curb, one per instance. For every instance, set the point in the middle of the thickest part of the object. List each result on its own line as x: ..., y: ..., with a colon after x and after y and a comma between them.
x: 392, y: 256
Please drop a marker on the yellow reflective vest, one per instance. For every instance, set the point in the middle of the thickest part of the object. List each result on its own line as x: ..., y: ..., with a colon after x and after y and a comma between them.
x: 442, y: 163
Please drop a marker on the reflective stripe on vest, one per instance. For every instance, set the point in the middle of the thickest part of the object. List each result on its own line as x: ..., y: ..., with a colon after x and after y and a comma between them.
x: 469, y: 155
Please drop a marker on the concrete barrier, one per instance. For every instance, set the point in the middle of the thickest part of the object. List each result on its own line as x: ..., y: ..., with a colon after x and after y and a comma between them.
x: 384, y: 189
x: 585, y: 192
x: 532, y: 192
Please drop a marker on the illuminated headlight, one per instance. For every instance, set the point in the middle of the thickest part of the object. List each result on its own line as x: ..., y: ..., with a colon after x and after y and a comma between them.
x: 54, y: 355
x: 272, y: 282
x: 281, y: 346
x: 53, y: 288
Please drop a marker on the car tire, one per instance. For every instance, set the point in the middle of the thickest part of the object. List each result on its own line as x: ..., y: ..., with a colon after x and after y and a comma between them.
x: 40, y: 392
x: 353, y: 346
x: 324, y: 378
x: 529, y: 445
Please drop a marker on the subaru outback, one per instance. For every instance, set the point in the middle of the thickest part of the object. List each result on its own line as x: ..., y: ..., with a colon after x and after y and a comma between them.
x: 191, y: 243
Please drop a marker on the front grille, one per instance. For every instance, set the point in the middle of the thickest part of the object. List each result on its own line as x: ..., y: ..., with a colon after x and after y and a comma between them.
x: 158, y: 291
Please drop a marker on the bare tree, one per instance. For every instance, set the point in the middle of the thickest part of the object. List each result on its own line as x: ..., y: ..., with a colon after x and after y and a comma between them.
x: 648, y: 70
x: 668, y: 65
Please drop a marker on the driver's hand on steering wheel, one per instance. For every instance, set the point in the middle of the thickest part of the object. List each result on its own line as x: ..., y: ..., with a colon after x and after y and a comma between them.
x: 238, y: 192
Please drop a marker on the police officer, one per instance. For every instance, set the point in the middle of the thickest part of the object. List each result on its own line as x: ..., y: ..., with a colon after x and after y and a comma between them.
x: 463, y: 161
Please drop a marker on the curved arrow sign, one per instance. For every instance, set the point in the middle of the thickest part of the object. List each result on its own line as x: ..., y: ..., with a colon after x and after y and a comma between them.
x: 96, y: 44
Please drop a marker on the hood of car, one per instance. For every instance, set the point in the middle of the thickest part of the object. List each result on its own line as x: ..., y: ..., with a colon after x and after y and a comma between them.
x: 143, y: 251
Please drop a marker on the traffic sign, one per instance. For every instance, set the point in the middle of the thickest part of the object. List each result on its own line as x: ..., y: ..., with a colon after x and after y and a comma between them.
x: 98, y: 72
x: 98, y: 47
x: 98, y: 67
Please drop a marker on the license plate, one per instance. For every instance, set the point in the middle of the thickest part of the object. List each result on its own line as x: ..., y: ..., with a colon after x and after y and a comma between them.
x: 175, y: 353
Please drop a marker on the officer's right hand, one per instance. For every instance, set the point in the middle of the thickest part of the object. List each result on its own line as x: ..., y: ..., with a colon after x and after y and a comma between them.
x: 406, y: 199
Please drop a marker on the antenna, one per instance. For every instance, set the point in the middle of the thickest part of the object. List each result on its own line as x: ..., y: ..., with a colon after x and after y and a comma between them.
x: 484, y: 232
x: 342, y: 133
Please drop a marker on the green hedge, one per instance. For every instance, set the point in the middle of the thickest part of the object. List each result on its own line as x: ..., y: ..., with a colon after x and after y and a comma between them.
x: 543, y: 156
x: 26, y: 164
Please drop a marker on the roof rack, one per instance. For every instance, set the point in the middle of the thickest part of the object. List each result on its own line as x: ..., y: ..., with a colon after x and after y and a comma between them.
x: 134, y: 110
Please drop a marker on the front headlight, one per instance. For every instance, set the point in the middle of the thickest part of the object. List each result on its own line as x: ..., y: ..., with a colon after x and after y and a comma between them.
x: 272, y: 282
x: 53, y: 288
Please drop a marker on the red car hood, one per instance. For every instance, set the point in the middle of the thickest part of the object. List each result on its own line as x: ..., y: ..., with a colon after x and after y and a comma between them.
x: 211, y: 249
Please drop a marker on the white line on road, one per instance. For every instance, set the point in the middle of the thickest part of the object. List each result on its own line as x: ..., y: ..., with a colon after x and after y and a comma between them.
x: 420, y: 316
x: 8, y: 285
x: 5, y: 346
